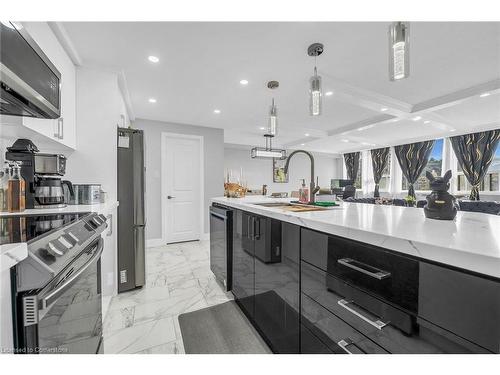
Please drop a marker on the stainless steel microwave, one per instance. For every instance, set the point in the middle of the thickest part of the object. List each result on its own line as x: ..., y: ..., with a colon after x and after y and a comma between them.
x: 30, y: 85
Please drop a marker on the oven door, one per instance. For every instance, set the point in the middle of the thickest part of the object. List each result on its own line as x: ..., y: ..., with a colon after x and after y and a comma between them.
x: 66, y: 315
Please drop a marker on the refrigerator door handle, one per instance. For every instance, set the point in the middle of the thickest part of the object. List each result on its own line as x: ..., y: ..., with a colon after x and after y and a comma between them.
x: 138, y: 168
x: 140, y: 262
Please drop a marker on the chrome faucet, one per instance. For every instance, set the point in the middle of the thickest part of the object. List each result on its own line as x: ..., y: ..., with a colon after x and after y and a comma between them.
x: 313, y: 188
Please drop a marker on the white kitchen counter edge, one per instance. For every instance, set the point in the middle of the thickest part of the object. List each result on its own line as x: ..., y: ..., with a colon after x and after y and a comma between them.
x: 100, y: 208
x: 478, y: 250
x: 11, y: 254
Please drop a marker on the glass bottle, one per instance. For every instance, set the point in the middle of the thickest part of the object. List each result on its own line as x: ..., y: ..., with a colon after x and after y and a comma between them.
x: 16, y: 201
x: 4, y: 185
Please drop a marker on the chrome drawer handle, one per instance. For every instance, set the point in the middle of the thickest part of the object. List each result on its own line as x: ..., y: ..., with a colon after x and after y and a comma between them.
x: 377, y: 323
x: 351, y: 263
x: 345, y: 343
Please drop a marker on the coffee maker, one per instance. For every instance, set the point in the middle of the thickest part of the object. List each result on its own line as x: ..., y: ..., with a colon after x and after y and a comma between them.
x: 42, y: 173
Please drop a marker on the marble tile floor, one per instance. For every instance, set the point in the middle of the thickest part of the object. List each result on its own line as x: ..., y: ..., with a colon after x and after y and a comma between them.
x: 178, y: 280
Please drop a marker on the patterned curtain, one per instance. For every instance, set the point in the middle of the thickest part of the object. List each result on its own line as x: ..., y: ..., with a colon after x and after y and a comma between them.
x: 351, y: 161
x: 379, y: 162
x: 475, y: 153
x: 412, y: 159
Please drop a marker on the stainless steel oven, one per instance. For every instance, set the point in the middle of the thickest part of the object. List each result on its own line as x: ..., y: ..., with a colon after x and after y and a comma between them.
x: 221, y: 244
x: 56, y: 290
x: 66, y: 315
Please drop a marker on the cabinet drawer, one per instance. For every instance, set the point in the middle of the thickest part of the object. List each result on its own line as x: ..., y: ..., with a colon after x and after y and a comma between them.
x: 386, y: 275
x: 339, y: 336
x: 467, y: 305
x: 379, y: 321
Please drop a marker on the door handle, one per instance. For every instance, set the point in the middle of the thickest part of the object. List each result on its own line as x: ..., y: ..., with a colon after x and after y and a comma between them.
x: 364, y: 268
x: 376, y: 323
x: 110, y: 223
x: 346, y: 342
x: 256, y: 230
x: 170, y: 197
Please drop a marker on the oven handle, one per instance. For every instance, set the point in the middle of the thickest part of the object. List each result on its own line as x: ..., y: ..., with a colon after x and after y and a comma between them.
x: 46, y: 301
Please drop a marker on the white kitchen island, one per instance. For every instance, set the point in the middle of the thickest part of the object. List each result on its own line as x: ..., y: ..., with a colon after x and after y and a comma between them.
x: 470, y: 242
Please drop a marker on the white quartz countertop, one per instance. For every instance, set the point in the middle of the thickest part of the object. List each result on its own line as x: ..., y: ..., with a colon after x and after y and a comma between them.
x: 70, y: 208
x: 11, y: 254
x: 471, y: 241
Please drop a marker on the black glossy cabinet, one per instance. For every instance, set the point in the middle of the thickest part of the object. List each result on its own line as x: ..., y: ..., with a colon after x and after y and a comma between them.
x: 311, y: 292
x: 277, y: 310
x: 399, y: 303
x: 266, y: 277
x: 243, y: 263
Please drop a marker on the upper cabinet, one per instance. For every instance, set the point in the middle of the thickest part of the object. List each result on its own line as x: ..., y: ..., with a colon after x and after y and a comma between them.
x: 56, y: 131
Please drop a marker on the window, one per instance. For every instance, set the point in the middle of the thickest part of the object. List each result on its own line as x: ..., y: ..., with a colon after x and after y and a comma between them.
x: 385, y: 181
x: 491, y: 180
x: 434, y: 165
x: 357, y: 181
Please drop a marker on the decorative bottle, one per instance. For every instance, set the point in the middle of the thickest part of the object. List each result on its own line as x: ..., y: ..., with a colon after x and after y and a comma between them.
x: 16, y: 197
x: 4, y: 187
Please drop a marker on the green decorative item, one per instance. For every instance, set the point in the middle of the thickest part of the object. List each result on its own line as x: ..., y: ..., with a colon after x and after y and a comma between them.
x: 325, y: 204
x: 410, y: 201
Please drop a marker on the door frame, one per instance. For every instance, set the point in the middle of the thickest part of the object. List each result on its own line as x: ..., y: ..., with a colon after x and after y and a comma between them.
x: 164, y: 136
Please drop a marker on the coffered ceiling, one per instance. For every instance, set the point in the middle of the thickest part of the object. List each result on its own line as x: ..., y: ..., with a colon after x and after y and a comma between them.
x: 201, y: 65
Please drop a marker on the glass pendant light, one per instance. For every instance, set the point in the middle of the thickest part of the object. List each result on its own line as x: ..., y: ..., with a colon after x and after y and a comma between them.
x: 315, y: 94
x: 272, y: 122
x: 399, y: 51
x: 272, y: 131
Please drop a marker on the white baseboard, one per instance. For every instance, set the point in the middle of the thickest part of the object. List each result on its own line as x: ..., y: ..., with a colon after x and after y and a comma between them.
x: 155, y: 242
x: 204, y: 236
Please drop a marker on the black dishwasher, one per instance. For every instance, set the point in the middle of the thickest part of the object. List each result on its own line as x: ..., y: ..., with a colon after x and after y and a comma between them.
x: 221, y: 244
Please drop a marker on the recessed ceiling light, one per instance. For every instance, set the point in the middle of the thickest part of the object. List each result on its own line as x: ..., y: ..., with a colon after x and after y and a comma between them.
x: 452, y: 130
x: 383, y: 109
x: 153, y: 59
x: 302, y: 144
x: 152, y: 100
x: 416, y: 118
x: 345, y: 140
x: 262, y: 128
x: 484, y: 94
x: 427, y: 122
x: 329, y: 93
x: 216, y: 111
x: 244, y: 82
x: 307, y: 134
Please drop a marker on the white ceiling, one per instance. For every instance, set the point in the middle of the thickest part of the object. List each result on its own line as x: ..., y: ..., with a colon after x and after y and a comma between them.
x: 201, y: 65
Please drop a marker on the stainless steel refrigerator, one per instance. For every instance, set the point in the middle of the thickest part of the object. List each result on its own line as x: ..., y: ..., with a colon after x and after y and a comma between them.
x: 131, y: 215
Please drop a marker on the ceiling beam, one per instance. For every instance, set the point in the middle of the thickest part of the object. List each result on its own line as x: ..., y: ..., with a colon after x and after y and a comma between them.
x: 456, y: 97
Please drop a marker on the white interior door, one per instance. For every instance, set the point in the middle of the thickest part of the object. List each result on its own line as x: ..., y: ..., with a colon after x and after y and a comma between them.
x: 181, y: 188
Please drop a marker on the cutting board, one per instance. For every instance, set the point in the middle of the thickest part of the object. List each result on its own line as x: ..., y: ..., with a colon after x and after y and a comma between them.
x: 302, y: 209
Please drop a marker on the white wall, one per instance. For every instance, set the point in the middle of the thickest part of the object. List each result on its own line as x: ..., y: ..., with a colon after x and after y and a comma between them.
x: 99, y: 105
x: 213, y: 182
x: 260, y: 171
